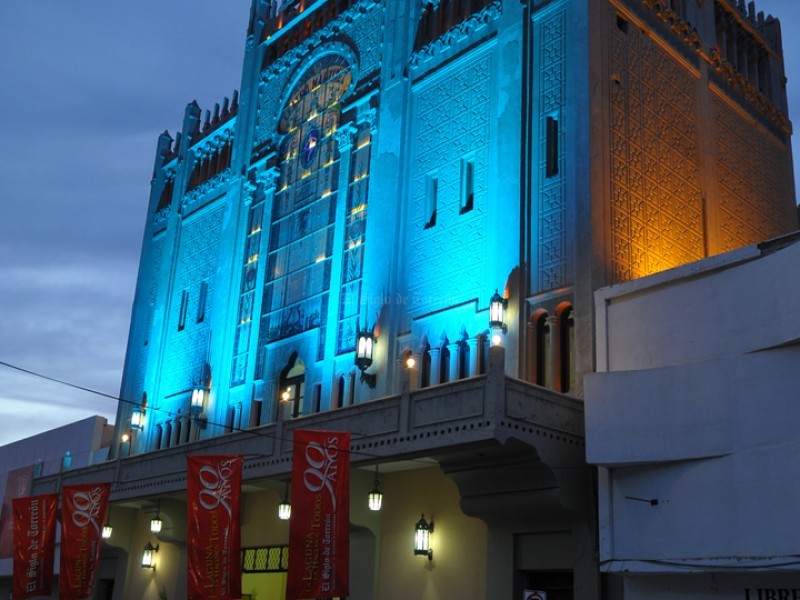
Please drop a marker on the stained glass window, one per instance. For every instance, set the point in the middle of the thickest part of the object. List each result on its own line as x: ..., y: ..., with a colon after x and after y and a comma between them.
x: 350, y: 300
x: 298, y: 269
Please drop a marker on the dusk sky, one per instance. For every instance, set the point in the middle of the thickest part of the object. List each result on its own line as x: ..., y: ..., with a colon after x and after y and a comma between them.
x: 86, y: 87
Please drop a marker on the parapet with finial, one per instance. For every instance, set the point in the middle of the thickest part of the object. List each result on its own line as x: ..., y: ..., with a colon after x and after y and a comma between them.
x: 197, y: 125
x: 768, y: 27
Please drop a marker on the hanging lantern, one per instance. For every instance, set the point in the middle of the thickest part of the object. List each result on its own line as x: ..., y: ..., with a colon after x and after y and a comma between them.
x: 375, y: 497
x: 284, y: 508
x: 156, y: 523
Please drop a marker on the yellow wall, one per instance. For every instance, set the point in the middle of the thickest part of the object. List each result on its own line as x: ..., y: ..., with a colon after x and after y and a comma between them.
x: 264, y: 586
x: 458, y: 569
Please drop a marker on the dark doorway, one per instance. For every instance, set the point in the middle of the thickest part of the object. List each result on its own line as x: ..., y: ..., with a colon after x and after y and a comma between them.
x: 556, y: 584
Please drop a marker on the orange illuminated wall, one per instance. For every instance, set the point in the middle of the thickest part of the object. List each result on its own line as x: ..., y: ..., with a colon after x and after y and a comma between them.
x: 656, y: 207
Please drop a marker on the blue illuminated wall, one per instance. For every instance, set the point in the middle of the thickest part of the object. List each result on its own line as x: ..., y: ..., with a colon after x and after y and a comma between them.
x: 389, y: 165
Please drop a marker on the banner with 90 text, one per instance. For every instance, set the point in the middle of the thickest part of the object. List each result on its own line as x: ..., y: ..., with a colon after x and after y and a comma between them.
x: 83, y: 513
x: 34, y: 545
x: 214, y: 501
x: 319, y: 530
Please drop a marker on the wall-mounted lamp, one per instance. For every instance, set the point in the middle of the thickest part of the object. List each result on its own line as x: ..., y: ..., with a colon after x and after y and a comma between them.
x: 422, y: 538
x: 147, y: 556
x: 375, y: 497
x: 284, y: 508
x: 156, y: 523
x: 137, y: 418
x: 286, y: 395
x: 198, y: 402
x: 365, y: 344
x: 125, y: 437
x: 410, y: 362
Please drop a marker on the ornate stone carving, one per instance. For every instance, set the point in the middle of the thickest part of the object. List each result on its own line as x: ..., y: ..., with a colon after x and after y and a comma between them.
x: 758, y: 100
x: 453, y: 121
x: 204, y: 188
x: 727, y: 71
x: 753, y: 172
x: 457, y: 33
x: 362, y: 28
x: 656, y: 216
x: 197, y: 257
x: 160, y: 216
x: 368, y: 116
x: 344, y: 136
x: 552, y: 229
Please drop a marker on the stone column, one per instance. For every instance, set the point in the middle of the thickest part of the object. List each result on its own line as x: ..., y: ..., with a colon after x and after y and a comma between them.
x: 237, y: 417
x: 348, y: 393
x: 435, y: 365
x: 454, y: 349
x: 185, y: 429
x: 173, y: 434
x: 473, y: 345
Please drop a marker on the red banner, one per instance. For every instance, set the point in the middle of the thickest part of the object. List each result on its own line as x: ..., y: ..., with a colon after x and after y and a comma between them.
x: 83, y: 513
x: 34, y: 545
x: 18, y: 485
x: 319, y: 530
x: 214, y: 491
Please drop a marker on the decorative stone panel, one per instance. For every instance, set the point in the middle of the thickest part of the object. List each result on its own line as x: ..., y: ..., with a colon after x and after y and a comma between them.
x: 552, y: 213
x: 656, y: 213
x: 197, y: 258
x: 452, y: 119
x: 362, y: 29
x: 753, y: 172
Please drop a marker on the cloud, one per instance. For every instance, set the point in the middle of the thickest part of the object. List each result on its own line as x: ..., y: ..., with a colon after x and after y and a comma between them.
x: 91, y: 86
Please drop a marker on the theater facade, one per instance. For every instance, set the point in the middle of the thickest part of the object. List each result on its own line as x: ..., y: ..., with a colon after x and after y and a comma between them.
x: 395, y: 228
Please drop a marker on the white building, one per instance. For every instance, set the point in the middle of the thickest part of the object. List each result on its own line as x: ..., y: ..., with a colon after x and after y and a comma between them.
x: 693, y: 418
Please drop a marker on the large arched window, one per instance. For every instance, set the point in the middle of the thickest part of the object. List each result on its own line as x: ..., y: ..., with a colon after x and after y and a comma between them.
x: 298, y: 272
